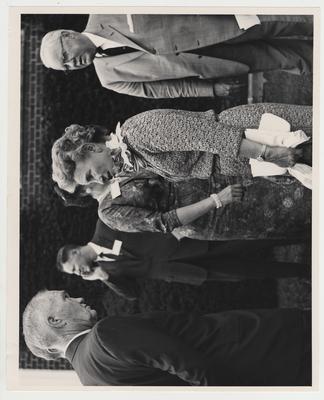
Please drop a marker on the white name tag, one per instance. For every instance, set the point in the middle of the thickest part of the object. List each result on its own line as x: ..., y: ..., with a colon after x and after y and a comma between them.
x: 117, y: 247
x: 247, y: 21
x: 115, y: 189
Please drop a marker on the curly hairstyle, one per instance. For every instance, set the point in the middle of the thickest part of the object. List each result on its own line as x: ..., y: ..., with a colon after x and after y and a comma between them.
x: 67, y: 148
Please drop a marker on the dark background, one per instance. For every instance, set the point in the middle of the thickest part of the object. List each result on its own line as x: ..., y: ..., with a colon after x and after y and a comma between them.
x: 51, y: 100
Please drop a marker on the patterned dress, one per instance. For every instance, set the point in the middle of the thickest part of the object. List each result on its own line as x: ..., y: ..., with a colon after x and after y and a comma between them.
x: 269, y: 209
x: 179, y: 144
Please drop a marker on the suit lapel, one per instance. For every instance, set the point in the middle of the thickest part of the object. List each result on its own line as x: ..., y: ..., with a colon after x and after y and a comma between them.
x: 120, y: 38
x: 111, y: 33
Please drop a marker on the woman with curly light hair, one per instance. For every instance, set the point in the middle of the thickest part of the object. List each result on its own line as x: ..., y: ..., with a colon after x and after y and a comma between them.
x: 158, y: 156
x: 64, y: 152
x: 179, y: 145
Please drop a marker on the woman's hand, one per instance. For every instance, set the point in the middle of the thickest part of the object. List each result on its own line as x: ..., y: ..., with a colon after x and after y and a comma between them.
x: 283, y: 156
x: 231, y: 194
x: 227, y: 89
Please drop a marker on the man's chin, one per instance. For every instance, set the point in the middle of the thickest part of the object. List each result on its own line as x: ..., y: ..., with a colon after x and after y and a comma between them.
x: 94, y: 316
x: 89, y: 272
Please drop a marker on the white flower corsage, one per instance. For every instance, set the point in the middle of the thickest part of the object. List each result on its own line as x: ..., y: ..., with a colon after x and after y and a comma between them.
x: 115, y: 141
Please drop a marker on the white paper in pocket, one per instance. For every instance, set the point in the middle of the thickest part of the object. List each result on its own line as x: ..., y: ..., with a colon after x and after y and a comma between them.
x: 117, y: 247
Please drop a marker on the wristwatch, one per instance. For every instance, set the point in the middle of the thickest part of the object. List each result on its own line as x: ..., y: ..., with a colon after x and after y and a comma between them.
x: 262, y: 154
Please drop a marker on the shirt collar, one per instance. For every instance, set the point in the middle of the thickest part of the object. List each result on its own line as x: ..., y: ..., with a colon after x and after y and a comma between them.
x: 100, y: 41
x: 101, y: 249
x: 74, y: 337
x: 98, y: 249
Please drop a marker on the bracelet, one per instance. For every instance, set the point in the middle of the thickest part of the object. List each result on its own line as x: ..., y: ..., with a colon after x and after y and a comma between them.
x: 262, y: 154
x: 216, y: 200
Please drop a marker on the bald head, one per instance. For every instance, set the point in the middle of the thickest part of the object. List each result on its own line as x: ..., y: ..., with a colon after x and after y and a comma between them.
x: 37, y: 332
x: 66, y: 50
x: 51, y: 50
x: 51, y: 319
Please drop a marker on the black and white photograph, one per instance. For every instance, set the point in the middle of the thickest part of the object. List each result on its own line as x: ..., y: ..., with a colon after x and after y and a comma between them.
x: 165, y: 200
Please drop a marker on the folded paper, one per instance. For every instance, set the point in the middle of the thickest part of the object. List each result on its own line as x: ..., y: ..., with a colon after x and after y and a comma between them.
x: 275, y: 131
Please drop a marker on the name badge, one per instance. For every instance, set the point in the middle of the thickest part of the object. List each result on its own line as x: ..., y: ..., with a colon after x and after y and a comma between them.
x: 117, y: 247
x: 247, y: 21
x: 115, y: 189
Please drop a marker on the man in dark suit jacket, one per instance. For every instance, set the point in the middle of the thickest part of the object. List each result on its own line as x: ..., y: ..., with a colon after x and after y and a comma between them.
x: 118, y: 259
x: 162, y: 56
x: 231, y: 348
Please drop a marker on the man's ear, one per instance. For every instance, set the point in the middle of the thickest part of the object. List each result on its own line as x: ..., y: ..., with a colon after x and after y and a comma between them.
x: 52, y: 350
x: 56, y: 322
x: 67, y: 34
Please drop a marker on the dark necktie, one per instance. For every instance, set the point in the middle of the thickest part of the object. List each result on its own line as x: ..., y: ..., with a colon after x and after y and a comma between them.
x: 108, y: 255
x: 116, y: 51
x: 123, y: 254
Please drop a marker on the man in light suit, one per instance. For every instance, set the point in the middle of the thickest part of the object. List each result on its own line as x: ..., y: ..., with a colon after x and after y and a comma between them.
x: 119, y: 259
x: 161, y: 56
x: 231, y: 348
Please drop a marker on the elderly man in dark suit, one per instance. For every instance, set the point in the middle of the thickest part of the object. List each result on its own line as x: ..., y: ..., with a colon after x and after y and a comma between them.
x: 232, y: 348
x: 161, y: 56
x: 119, y: 259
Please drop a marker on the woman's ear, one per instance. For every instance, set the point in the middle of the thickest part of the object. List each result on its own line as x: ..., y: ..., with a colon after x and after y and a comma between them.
x: 92, y: 147
x: 56, y: 322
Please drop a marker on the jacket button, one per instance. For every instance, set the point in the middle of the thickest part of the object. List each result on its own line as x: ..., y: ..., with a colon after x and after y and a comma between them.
x: 200, y: 56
